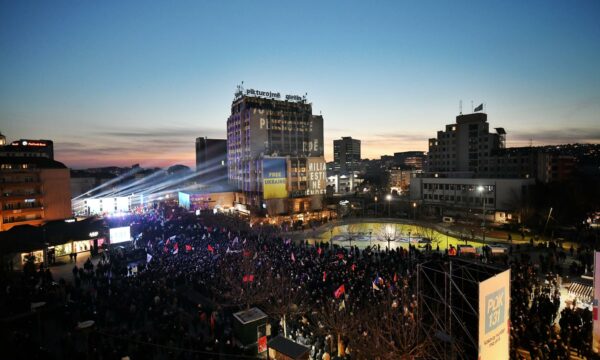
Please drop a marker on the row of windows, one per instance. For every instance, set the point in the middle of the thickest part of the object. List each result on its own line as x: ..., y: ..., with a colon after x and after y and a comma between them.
x: 465, y: 199
x: 460, y: 187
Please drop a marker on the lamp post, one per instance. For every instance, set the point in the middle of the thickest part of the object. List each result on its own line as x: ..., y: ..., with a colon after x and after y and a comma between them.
x: 480, y: 189
x: 414, y: 205
x: 388, y: 197
x: 375, y: 205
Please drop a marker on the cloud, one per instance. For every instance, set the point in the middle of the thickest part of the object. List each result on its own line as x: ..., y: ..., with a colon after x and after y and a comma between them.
x: 567, y: 135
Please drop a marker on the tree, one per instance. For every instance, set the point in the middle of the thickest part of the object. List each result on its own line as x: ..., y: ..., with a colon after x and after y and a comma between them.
x: 390, y: 233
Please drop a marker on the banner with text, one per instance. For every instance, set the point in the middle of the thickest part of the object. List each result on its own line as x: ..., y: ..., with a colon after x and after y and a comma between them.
x: 494, y: 317
x: 274, y: 178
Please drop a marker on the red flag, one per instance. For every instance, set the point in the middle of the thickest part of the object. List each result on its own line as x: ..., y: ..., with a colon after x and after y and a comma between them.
x: 166, y: 249
x: 353, y: 267
x: 168, y: 242
x: 324, y: 276
x: 248, y: 278
x: 188, y: 247
x: 293, y: 258
x: 211, y: 249
x: 176, y: 246
x: 319, y: 250
x: 341, y: 290
x: 340, y: 256
x: 395, y: 277
x: 247, y: 253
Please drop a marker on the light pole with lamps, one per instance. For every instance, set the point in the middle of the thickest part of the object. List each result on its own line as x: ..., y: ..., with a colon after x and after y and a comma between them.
x: 388, y: 197
x: 375, y: 205
x: 481, y: 189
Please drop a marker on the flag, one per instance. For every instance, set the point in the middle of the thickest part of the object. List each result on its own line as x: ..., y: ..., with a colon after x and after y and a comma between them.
x: 176, y: 251
x: 353, y: 267
x: 188, y: 247
x: 395, y: 277
x: 340, y: 256
x: 211, y: 249
x: 247, y: 253
x: 148, y: 258
x: 319, y: 251
x: 248, y: 278
x: 342, y: 306
x: 293, y: 258
x: 324, y: 276
x: 375, y: 287
x: 341, y: 290
x: 479, y: 108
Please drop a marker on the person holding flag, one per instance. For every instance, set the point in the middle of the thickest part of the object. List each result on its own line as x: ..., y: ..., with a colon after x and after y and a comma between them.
x: 339, y: 292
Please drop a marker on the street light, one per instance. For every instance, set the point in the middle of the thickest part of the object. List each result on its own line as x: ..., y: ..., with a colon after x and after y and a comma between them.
x: 414, y: 205
x: 480, y: 189
x: 388, y: 197
x: 375, y: 206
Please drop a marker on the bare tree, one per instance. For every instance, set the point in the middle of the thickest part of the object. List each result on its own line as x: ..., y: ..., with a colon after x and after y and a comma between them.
x: 390, y: 233
x: 395, y: 332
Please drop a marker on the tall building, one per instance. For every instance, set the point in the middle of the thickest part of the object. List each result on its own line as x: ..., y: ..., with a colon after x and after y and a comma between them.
x: 465, y: 147
x: 211, y: 160
x: 346, y: 155
x: 28, y: 148
x: 33, y: 190
x: 275, y: 152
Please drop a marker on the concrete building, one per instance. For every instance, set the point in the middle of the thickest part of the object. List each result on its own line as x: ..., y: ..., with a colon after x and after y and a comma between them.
x: 28, y: 148
x: 461, y: 197
x: 33, y: 190
x: 410, y: 159
x: 275, y: 152
x: 344, y: 183
x: 346, y: 155
x: 399, y: 179
x: 211, y: 160
x: 465, y: 147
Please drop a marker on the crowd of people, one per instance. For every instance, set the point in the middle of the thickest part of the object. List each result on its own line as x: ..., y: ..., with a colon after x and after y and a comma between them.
x: 176, y: 300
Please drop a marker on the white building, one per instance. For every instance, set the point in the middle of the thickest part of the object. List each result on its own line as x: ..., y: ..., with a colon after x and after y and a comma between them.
x: 499, y: 199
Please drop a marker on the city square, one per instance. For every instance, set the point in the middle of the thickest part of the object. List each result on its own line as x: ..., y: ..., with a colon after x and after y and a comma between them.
x: 340, y: 202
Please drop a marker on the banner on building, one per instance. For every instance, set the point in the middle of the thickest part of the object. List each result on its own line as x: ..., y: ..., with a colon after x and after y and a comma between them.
x: 494, y: 317
x: 317, y: 176
x: 274, y: 178
x: 596, y: 318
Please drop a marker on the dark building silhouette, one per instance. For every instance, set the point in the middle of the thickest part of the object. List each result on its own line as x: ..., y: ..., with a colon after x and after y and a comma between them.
x: 211, y: 159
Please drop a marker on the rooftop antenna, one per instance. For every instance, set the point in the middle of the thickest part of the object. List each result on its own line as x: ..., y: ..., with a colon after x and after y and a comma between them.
x: 531, y: 142
x: 460, y: 107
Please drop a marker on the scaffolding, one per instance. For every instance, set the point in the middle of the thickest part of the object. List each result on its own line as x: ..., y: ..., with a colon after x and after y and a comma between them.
x: 448, y: 297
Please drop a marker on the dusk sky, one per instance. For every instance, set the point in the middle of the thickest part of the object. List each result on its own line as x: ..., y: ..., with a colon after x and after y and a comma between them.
x: 124, y: 82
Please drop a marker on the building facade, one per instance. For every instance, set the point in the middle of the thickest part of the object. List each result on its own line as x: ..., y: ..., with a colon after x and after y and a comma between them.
x: 499, y: 199
x: 346, y: 155
x: 275, y: 153
x: 28, y: 148
x: 410, y: 159
x: 465, y: 146
x: 211, y: 160
x: 33, y: 190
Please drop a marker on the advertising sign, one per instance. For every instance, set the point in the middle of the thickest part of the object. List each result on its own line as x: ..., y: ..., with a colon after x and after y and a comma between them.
x: 494, y: 317
x: 120, y: 234
x: 274, y: 178
x: 596, y: 319
x: 317, y: 176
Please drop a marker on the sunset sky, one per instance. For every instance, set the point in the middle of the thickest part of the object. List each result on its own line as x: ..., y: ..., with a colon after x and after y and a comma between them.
x: 124, y: 82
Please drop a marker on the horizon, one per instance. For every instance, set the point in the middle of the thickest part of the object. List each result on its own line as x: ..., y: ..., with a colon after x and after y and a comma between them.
x: 115, y: 84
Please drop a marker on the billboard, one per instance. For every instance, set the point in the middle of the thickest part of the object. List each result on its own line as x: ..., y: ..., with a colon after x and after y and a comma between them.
x: 274, y: 178
x: 595, y: 309
x: 317, y: 176
x: 120, y: 234
x: 494, y: 317
x: 184, y: 200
